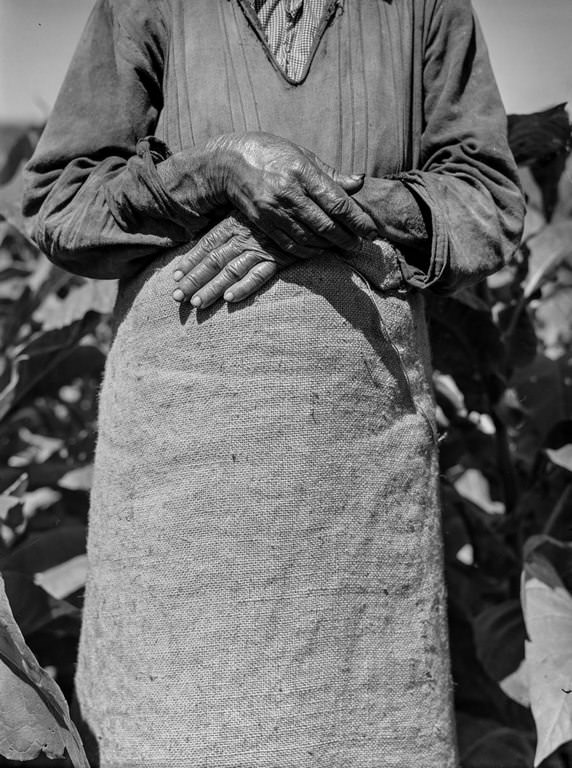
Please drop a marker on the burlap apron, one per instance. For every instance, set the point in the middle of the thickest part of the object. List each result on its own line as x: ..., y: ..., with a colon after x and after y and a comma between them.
x: 266, y: 582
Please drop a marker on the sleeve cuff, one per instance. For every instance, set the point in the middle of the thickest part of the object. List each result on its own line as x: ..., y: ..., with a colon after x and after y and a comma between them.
x: 143, y: 194
x: 414, y: 275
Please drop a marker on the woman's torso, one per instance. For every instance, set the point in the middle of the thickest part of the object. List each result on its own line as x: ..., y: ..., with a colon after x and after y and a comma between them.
x: 359, y: 108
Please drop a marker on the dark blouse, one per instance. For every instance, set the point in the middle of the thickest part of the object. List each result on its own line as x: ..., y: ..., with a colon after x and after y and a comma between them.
x: 399, y: 89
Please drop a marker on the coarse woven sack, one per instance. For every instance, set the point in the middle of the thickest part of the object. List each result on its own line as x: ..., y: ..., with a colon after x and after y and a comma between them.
x: 266, y: 585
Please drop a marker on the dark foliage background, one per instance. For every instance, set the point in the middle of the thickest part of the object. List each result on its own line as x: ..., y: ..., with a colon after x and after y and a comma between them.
x: 502, y: 355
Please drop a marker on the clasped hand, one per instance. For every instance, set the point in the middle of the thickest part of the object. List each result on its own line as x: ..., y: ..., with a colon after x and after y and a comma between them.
x: 233, y: 260
x: 287, y: 192
x: 290, y: 205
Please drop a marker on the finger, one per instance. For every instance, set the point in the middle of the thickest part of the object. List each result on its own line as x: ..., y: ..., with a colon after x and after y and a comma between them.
x: 208, y: 268
x: 276, y: 224
x: 258, y: 276
x: 340, y: 207
x: 330, y: 231
x: 294, y: 221
x: 218, y: 236
x: 350, y: 183
x: 286, y: 243
x: 233, y: 273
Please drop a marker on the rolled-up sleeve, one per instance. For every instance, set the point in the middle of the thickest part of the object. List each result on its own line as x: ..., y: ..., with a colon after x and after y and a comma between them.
x: 464, y: 212
x: 467, y: 178
x: 93, y: 199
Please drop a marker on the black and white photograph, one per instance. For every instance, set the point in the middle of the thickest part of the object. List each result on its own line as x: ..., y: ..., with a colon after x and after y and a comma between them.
x: 286, y: 383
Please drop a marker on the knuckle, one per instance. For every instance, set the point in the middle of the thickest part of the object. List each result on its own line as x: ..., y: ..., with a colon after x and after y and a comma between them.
x: 263, y: 272
x: 233, y: 271
x: 326, y: 226
x: 298, y: 162
x: 209, y: 240
x: 340, y: 206
x: 290, y: 247
x: 240, y: 240
x: 284, y: 190
x: 265, y: 201
x: 188, y: 285
x: 259, y: 278
x: 187, y: 261
x: 254, y: 279
x: 216, y: 260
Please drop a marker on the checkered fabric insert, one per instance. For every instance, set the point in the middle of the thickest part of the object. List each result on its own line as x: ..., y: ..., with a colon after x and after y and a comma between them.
x: 290, y: 27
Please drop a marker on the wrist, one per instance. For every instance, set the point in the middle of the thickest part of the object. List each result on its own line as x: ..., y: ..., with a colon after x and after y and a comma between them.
x: 226, y: 164
x: 191, y: 178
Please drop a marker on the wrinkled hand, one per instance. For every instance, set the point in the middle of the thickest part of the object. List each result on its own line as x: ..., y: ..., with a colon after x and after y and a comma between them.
x: 298, y: 201
x: 233, y: 260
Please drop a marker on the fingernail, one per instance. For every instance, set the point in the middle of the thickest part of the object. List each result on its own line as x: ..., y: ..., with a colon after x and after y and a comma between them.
x: 358, y: 176
x: 178, y: 295
x: 228, y: 296
x: 177, y: 275
x: 196, y: 301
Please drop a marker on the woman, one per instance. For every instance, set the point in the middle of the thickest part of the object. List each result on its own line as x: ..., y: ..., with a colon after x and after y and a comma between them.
x: 266, y: 584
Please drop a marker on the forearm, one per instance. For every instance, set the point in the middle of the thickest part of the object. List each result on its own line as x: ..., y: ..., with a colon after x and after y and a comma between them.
x: 103, y: 218
x: 157, y: 199
x: 403, y: 220
x: 396, y: 212
x: 450, y: 230
x: 457, y: 216
x: 111, y: 96
x: 465, y: 177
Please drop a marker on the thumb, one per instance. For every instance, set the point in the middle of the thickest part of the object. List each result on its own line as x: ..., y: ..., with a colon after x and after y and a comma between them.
x: 350, y: 183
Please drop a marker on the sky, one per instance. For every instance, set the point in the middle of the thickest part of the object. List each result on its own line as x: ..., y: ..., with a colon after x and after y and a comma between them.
x: 529, y: 43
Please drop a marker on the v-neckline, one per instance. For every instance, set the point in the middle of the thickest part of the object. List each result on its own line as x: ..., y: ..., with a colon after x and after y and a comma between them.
x: 328, y: 15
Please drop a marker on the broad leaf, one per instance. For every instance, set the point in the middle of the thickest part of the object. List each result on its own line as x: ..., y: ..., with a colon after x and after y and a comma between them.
x: 93, y: 296
x: 46, y: 550
x: 64, y: 579
x: 47, y: 474
x: 552, y: 319
x: 11, y: 511
x: 561, y: 456
x: 63, y: 323
x: 457, y: 540
x: 538, y: 136
x: 499, y: 638
x: 38, y: 718
x: 474, y: 486
x: 491, y: 554
x: 17, y: 151
x: 466, y: 344
x: 500, y: 747
x: 84, y: 361
x: 79, y: 479
x: 43, y: 574
x: 545, y: 390
x: 43, y: 352
x: 547, y: 174
x: 32, y: 607
x: 548, y: 250
x: 519, y: 334
x: 449, y: 396
x: 12, y: 516
x: 517, y: 685
x: 547, y: 606
x: 38, y: 448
